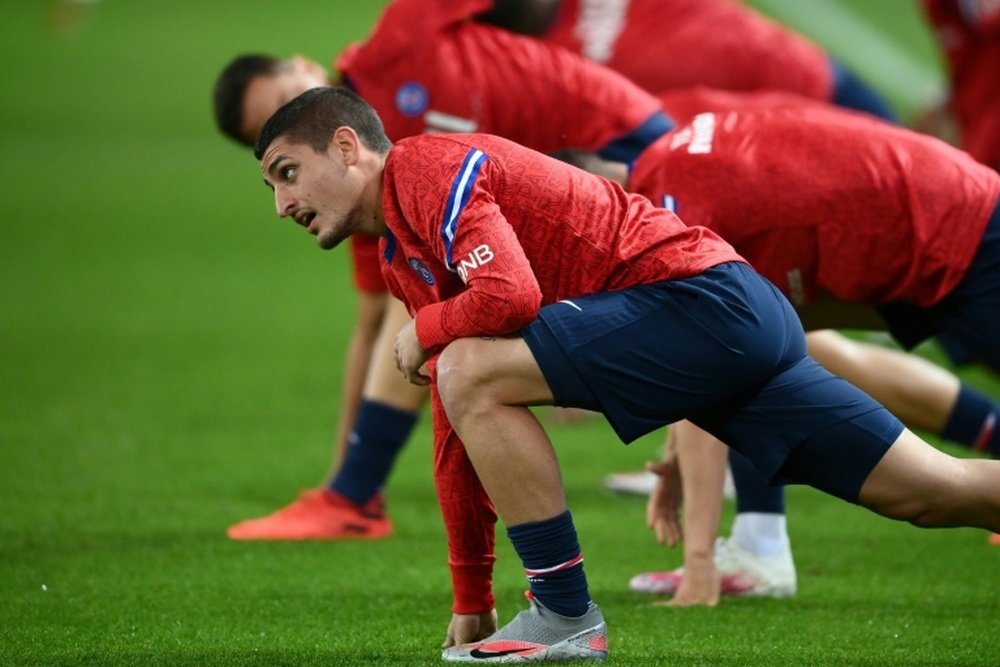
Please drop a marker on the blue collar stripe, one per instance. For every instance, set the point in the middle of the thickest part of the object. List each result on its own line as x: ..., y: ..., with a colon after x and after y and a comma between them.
x: 390, y: 246
x: 627, y: 147
x: 459, y: 197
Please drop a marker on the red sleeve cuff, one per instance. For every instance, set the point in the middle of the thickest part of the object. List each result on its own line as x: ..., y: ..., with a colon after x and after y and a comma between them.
x: 473, y: 586
x: 430, y: 327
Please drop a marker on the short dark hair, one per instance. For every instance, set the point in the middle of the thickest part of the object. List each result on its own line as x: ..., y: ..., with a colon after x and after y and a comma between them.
x: 231, y: 86
x: 313, y: 117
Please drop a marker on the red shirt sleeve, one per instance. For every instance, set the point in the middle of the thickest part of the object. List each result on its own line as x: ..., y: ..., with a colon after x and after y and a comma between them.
x: 502, y: 294
x: 469, y: 517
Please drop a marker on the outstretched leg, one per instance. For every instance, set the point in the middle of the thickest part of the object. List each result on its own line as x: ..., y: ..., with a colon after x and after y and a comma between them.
x: 917, y: 483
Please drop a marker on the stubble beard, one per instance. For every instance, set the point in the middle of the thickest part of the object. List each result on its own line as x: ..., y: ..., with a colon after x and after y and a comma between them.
x: 334, y: 237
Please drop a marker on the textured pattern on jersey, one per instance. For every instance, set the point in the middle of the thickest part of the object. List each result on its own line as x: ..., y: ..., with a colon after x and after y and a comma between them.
x: 533, y: 231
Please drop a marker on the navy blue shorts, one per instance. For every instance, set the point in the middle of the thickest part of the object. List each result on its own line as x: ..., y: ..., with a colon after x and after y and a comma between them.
x: 968, y: 319
x: 726, y: 350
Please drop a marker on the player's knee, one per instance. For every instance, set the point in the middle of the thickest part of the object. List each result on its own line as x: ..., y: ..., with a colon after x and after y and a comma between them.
x: 917, y: 511
x: 462, y: 377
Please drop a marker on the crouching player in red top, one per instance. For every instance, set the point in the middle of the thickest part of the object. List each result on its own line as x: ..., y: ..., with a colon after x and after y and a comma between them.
x: 535, y: 283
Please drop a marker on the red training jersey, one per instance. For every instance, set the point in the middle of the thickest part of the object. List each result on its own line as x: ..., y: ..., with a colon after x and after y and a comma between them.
x: 683, y: 104
x: 825, y: 201
x: 427, y: 67
x: 482, y: 233
x: 969, y: 34
x: 664, y: 44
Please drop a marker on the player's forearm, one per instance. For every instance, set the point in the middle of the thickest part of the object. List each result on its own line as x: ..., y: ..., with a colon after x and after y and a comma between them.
x: 493, y: 307
x: 469, y: 519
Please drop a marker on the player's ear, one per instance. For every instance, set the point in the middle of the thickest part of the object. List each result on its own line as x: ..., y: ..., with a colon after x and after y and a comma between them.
x: 346, y: 142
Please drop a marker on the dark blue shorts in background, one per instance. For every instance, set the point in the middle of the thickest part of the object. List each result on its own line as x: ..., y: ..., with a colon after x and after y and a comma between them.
x: 967, y: 320
x: 726, y: 350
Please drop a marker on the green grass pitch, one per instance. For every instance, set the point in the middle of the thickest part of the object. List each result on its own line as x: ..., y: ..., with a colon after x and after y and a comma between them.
x: 170, y: 357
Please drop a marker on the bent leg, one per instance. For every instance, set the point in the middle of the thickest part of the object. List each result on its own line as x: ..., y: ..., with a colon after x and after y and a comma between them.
x: 371, y: 314
x: 384, y: 383
x: 384, y: 419
x: 917, y: 483
x: 917, y: 391
x: 485, y: 386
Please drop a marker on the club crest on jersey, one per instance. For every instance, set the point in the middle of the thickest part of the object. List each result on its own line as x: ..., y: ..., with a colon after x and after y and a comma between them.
x: 421, y: 269
x: 411, y: 99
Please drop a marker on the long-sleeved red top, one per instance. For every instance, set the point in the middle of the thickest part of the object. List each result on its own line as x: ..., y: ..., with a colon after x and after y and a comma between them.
x: 482, y: 232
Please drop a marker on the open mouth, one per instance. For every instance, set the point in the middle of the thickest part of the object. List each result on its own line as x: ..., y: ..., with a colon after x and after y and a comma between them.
x: 305, y: 218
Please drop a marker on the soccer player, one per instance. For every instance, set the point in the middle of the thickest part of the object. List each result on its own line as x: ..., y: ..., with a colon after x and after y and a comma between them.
x: 535, y: 283
x: 969, y: 35
x: 814, y: 220
x: 668, y: 44
x: 377, y: 411
x: 426, y: 68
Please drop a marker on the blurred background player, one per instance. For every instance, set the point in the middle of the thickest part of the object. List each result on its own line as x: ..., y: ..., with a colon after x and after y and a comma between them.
x: 792, y: 214
x: 667, y: 44
x: 968, y: 32
x: 425, y: 68
x: 68, y: 17
x: 377, y: 412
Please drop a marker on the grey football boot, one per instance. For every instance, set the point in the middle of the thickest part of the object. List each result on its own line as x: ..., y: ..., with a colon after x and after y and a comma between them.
x: 538, y: 634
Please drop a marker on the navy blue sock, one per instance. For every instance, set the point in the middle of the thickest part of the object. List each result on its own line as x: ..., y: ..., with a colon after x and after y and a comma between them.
x: 852, y: 93
x: 553, y: 563
x: 753, y: 493
x: 973, y: 422
x: 380, y: 431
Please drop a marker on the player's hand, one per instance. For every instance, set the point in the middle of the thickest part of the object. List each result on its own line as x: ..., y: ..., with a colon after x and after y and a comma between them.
x: 410, y: 356
x: 466, y: 628
x: 664, y: 504
x: 700, y: 585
